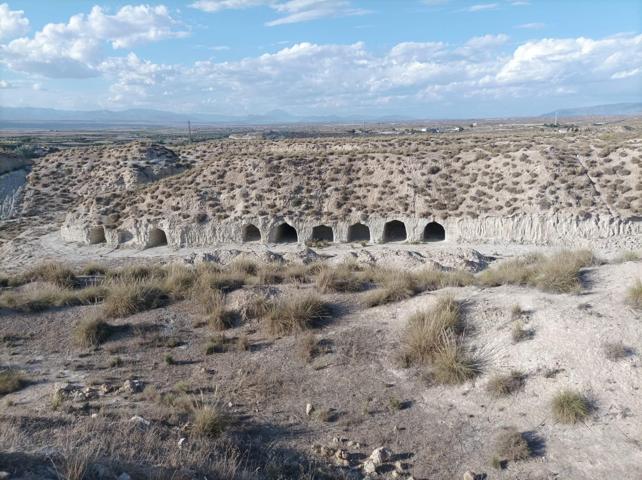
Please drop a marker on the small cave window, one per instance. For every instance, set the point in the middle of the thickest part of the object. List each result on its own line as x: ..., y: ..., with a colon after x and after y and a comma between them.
x: 358, y: 233
x: 97, y: 235
x: 124, y: 236
x: 251, y: 233
x: 157, y: 238
x: 394, y: 231
x: 286, y: 233
x: 323, y: 233
x: 434, y: 232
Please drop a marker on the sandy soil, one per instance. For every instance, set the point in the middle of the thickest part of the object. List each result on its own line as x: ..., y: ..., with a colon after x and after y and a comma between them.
x: 439, y: 433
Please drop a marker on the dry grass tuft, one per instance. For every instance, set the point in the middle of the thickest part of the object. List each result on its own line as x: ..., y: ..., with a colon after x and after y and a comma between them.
x: 127, y: 297
x: 435, y: 337
x: 294, y: 314
x: 511, y: 446
x: 209, y: 421
x: 634, y: 295
x: 52, y: 272
x: 397, y: 286
x: 340, y: 279
x: 502, y: 385
x: 42, y: 296
x: 92, y: 331
x: 11, y: 381
x: 570, y: 407
x: 559, y: 273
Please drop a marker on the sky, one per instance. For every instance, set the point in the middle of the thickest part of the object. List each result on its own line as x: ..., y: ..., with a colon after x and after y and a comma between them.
x: 415, y: 58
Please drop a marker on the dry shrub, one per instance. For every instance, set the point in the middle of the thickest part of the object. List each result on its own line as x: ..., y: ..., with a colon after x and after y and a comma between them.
x: 179, y: 281
x: 502, y: 385
x: 431, y: 279
x: 295, y: 314
x: 11, y: 381
x: 558, y: 273
x: 570, y: 406
x: 340, y: 279
x: 511, y: 446
x: 42, y: 296
x: 127, y: 297
x: 52, y: 272
x: 209, y: 421
x: 397, y: 286
x: 634, y: 295
x: 424, y: 334
x: 92, y: 331
x: 94, y: 268
x: 435, y: 337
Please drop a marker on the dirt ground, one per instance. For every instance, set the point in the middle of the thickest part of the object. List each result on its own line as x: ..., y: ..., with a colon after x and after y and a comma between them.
x: 356, y: 380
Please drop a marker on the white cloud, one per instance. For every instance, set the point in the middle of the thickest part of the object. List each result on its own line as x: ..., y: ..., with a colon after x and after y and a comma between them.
x: 13, y: 23
x: 292, y: 11
x: 573, y: 60
x: 212, y: 6
x: 532, y: 26
x: 482, y: 6
x: 4, y: 84
x: 75, y: 48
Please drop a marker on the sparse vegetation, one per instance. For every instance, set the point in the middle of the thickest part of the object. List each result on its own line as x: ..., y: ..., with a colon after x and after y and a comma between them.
x: 615, y: 351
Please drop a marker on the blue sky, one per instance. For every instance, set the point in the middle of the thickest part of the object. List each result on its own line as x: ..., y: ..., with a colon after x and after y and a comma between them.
x: 425, y: 58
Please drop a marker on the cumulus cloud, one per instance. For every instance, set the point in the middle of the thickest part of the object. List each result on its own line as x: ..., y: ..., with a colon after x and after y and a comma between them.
x: 292, y: 11
x: 313, y: 77
x: 73, y: 49
x: 13, y: 23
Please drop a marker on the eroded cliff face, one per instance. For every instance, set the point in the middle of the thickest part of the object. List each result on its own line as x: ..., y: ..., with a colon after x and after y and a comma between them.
x: 562, y: 230
x: 13, y: 178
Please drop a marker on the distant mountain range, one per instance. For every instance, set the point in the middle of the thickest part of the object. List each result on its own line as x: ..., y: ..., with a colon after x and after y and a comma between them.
x: 51, y: 118
x: 157, y: 117
x: 599, y: 110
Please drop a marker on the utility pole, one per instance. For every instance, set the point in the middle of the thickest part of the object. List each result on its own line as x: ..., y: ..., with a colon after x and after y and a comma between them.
x: 189, y: 130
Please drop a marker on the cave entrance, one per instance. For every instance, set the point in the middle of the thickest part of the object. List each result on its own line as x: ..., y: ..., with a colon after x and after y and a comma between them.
x: 251, y: 234
x: 97, y: 235
x: 322, y: 233
x: 157, y: 238
x: 434, y: 232
x: 358, y: 233
x: 394, y: 231
x: 286, y: 233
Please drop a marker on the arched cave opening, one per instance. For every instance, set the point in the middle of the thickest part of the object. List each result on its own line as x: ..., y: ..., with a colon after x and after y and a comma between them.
x: 434, y: 232
x: 286, y: 233
x: 251, y: 233
x: 358, y: 233
x: 394, y: 231
x: 323, y: 233
x: 157, y: 238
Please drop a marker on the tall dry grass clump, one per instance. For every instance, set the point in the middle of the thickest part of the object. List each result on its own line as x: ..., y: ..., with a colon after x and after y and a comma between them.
x: 342, y: 278
x: 570, y: 406
x: 294, y: 314
x: 558, y: 273
x: 128, y: 296
x: 435, y: 337
x: 42, y: 296
x: 92, y: 330
x: 396, y: 286
x: 52, y: 272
